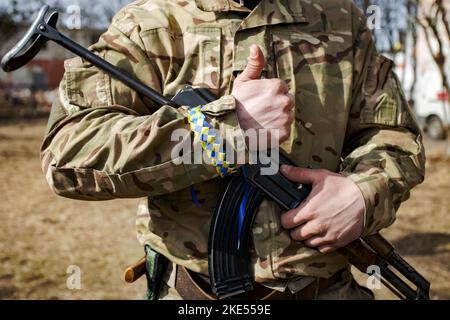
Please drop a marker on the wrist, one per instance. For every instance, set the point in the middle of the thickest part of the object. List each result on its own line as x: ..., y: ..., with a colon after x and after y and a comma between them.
x: 242, y: 115
x: 222, y: 115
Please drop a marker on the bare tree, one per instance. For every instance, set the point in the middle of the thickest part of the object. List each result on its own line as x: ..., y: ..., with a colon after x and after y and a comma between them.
x: 430, y: 20
x: 444, y: 16
x: 411, y: 7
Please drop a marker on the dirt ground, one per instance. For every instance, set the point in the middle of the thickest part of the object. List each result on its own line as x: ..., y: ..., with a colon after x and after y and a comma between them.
x: 41, y: 235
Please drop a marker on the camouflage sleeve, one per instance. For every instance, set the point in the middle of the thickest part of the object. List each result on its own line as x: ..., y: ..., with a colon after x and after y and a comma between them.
x: 103, y: 141
x: 383, y: 148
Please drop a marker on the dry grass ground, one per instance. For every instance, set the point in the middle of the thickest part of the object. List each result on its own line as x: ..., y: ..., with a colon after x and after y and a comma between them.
x: 42, y: 234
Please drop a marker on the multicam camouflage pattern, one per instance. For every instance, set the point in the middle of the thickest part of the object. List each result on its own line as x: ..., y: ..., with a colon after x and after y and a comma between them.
x: 105, y: 142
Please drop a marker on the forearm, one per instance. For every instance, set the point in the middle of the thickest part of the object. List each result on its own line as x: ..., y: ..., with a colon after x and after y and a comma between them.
x: 387, y: 165
x: 105, y: 153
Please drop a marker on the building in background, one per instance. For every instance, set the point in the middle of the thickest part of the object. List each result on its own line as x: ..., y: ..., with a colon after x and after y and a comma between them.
x: 431, y: 98
x: 30, y: 90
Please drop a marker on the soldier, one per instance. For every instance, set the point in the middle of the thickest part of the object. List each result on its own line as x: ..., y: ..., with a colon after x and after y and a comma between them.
x: 306, y: 68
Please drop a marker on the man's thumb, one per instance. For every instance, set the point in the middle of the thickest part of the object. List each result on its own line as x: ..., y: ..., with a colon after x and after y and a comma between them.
x: 254, y: 66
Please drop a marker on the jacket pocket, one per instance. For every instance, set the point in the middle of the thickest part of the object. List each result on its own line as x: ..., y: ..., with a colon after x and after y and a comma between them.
x: 201, y: 67
x: 83, y: 86
x: 381, y: 99
x: 318, y: 69
x: 314, y: 64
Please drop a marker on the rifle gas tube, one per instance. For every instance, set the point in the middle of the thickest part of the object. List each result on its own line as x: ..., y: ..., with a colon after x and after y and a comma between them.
x: 229, y: 244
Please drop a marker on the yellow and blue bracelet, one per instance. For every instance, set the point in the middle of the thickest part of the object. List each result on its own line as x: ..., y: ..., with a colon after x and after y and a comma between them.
x: 210, y: 142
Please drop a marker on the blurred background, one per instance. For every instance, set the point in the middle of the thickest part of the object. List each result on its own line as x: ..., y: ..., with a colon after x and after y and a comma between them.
x: 42, y: 235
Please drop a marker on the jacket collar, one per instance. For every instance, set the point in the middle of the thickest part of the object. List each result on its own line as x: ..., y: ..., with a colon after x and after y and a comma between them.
x: 266, y: 13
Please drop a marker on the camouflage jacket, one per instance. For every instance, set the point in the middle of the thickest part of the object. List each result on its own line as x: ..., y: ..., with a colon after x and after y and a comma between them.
x: 105, y: 142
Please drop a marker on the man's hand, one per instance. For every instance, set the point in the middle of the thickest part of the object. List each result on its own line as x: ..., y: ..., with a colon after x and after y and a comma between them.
x: 333, y: 214
x: 262, y: 104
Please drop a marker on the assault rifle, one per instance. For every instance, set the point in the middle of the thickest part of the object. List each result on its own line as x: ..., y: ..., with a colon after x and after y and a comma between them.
x: 229, y: 242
